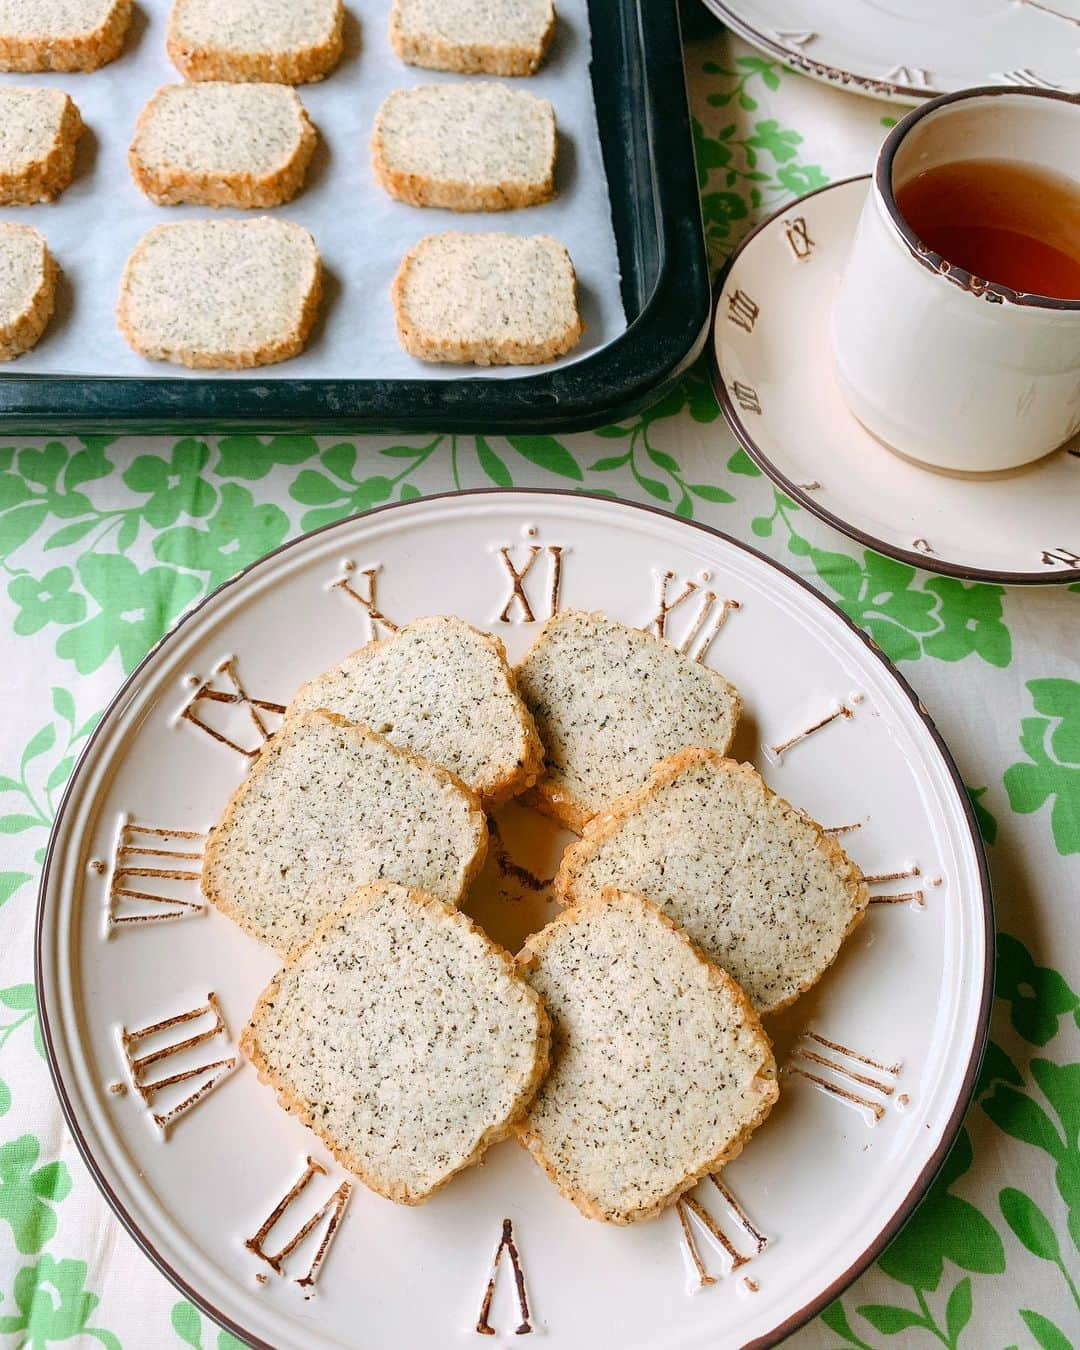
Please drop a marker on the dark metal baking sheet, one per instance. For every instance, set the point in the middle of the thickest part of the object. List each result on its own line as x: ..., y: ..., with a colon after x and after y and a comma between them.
x: 640, y: 92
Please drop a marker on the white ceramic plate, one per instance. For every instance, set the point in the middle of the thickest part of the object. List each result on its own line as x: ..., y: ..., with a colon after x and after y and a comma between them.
x: 773, y: 372
x: 908, y: 50
x: 827, y: 1180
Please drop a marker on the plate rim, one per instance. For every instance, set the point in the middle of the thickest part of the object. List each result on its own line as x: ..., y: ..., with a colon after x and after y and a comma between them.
x: 952, y: 1126
x: 926, y: 562
x: 869, y: 86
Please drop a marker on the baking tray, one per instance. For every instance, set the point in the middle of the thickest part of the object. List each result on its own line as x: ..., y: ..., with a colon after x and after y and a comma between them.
x: 640, y: 94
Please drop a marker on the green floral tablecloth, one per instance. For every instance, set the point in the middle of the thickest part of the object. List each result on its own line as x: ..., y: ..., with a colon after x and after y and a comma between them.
x: 103, y: 543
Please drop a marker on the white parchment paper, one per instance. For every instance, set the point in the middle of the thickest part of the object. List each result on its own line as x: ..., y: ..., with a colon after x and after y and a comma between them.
x: 361, y: 233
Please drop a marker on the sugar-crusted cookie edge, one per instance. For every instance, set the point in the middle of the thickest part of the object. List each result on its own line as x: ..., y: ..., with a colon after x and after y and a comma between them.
x: 173, y: 186
x: 301, y: 65
x: 26, y: 330
x: 718, y: 979
x: 213, y: 844
x: 500, y: 788
x: 608, y: 822
x: 88, y: 51
x: 558, y: 802
x: 292, y: 1102
x: 281, y: 349
x: 417, y: 189
x: 43, y: 180
x: 484, y: 351
x: 475, y: 58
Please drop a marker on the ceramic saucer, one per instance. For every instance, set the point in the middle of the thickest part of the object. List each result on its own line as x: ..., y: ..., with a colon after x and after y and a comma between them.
x: 915, y: 49
x: 772, y: 368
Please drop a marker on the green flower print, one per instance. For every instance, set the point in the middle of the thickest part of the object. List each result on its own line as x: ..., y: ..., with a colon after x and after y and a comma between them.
x: 741, y: 463
x: 1047, y: 1335
x: 693, y: 394
x: 945, y: 1227
x: 709, y: 153
x: 174, y: 484
x: 1032, y: 1228
x: 27, y: 1193
x: 252, y: 457
x: 906, y: 613
x: 1038, y: 997
x: 799, y: 179
x: 721, y: 211
x: 20, y: 999
x: 50, y: 600
x: 984, y: 818
x: 1016, y: 1106
x: 1052, y: 770
x: 745, y: 168
x: 339, y: 492
x: 880, y: 597
x: 236, y: 534
x: 135, y: 610
x: 970, y: 618
x: 188, y: 1326
x: 54, y: 1306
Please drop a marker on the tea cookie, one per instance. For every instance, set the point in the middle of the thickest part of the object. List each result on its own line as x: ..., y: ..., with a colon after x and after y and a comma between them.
x: 757, y: 884
x: 443, y: 690
x: 328, y: 807
x: 28, y: 276
x: 475, y: 37
x: 221, y: 294
x: 466, y: 147
x: 489, y: 299
x: 39, y: 130
x: 404, y: 1037
x: 609, y: 701
x: 61, y: 34
x: 222, y: 144
x: 660, y: 1068
x: 277, y: 41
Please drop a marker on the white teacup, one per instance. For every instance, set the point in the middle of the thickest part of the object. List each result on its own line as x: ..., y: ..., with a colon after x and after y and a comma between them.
x: 946, y: 368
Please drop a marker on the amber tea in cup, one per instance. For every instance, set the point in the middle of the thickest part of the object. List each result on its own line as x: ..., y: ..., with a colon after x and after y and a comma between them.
x: 1001, y: 220
x: 956, y: 325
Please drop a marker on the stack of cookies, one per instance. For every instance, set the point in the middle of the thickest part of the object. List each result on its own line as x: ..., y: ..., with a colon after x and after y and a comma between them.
x: 233, y: 294
x: 624, y: 1044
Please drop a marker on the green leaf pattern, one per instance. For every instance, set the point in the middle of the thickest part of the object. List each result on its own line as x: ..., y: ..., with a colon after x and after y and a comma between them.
x: 104, y: 542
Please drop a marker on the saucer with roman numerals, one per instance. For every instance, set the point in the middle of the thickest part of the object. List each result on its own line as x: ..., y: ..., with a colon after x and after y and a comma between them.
x: 772, y: 369
x: 144, y: 988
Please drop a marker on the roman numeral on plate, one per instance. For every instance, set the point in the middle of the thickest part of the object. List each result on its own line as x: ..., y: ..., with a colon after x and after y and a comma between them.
x: 742, y: 311
x: 708, y: 614
x: 739, y: 1249
x: 175, y: 1038
x: 798, y: 237
x: 846, y: 1075
x: 842, y: 712
x: 223, y: 709
x: 1060, y: 557
x: 361, y: 586
x: 154, y: 875
x: 915, y: 896
x: 519, y: 607
x: 293, y: 1200
x: 746, y: 396
x: 508, y: 1245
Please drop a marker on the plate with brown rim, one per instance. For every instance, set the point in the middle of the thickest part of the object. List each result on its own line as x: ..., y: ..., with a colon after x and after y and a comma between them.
x: 144, y: 988
x: 771, y: 359
x: 911, y: 50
